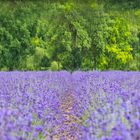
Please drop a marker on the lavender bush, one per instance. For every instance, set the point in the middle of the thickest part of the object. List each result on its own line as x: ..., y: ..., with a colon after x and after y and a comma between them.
x: 64, y: 106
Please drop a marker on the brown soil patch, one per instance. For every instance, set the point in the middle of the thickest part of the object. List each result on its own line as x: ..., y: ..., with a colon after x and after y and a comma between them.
x: 70, y: 119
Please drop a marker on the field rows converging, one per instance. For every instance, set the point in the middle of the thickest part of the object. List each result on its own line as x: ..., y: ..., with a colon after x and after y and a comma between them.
x: 64, y: 106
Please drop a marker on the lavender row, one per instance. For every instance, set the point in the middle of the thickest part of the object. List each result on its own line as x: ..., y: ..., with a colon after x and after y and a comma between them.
x: 78, y: 106
x: 110, y: 102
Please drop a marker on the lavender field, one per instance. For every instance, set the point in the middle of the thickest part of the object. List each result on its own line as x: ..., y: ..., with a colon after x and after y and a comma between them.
x: 64, y: 106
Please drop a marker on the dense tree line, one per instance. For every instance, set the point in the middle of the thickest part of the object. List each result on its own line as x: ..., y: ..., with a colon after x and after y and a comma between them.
x: 72, y: 35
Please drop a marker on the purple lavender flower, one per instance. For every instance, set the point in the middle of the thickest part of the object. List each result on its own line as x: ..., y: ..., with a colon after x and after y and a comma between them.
x: 82, y: 105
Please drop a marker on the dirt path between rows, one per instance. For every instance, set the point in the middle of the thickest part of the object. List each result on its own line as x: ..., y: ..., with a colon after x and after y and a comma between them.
x: 70, y: 120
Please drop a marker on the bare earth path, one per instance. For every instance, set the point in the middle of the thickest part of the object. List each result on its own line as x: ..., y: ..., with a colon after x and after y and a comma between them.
x: 70, y: 122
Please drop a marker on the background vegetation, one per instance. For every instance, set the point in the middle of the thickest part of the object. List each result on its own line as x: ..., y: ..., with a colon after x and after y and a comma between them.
x: 72, y: 35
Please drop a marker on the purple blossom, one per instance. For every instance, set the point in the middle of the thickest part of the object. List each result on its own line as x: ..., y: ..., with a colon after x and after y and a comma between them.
x: 82, y: 105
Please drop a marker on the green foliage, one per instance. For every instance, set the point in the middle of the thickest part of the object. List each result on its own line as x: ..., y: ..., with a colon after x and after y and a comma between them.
x: 134, y: 64
x: 69, y: 35
x: 54, y: 66
x: 119, y: 44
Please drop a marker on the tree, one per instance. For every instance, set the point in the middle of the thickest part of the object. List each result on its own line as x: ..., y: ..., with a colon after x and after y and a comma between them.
x: 98, y: 28
x: 119, y: 49
x: 70, y: 36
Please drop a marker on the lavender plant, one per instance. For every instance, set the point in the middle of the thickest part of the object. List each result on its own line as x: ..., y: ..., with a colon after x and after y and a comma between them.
x: 63, y: 106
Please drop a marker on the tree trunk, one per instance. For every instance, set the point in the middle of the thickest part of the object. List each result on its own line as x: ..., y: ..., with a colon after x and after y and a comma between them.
x: 74, y: 43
